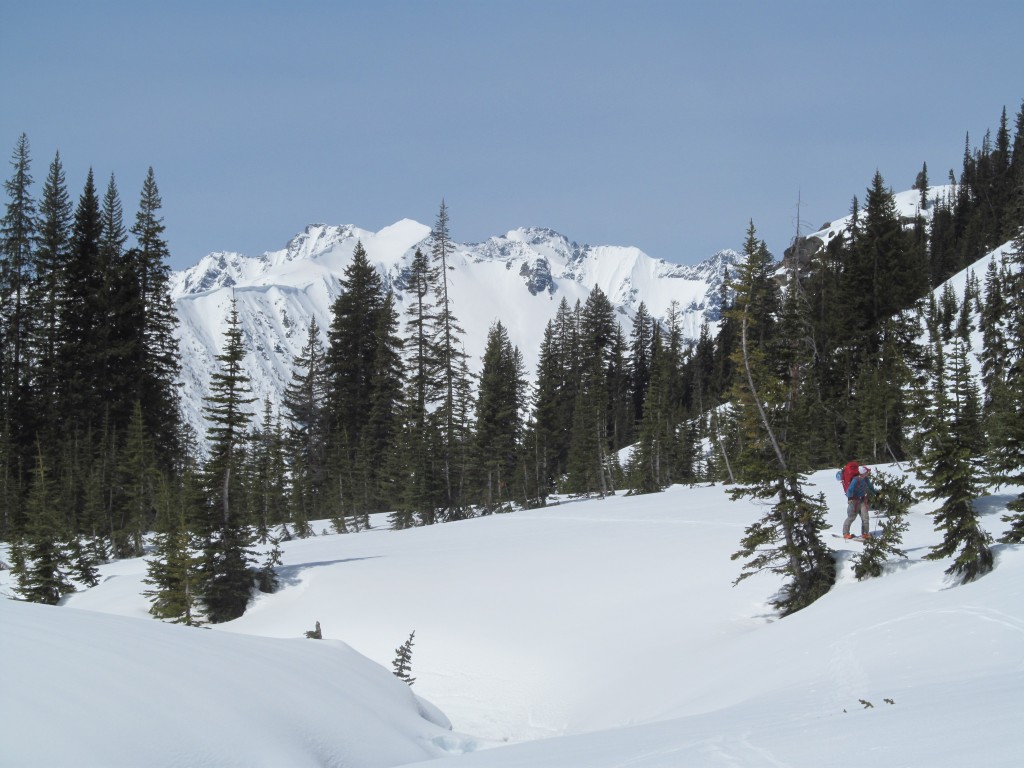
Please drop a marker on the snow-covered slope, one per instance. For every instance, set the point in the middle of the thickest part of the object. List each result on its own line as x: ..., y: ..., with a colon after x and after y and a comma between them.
x: 519, y: 278
x: 593, y: 634
x: 87, y: 689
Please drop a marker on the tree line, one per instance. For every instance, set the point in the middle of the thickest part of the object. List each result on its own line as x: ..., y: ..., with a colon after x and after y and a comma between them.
x: 841, y: 353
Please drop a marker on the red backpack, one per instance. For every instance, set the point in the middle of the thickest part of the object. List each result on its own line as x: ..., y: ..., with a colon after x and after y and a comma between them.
x: 849, y: 472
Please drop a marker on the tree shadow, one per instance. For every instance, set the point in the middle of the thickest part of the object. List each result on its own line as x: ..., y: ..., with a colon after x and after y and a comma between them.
x: 289, y: 575
x: 994, y: 504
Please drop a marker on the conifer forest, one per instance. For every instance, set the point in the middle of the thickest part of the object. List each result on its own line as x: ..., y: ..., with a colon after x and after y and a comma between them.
x: 850, y: 350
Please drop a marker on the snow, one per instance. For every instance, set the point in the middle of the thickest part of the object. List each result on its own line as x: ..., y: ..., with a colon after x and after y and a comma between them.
x: 280, y: 292
x: 591, y: 634
x: 908, y: 206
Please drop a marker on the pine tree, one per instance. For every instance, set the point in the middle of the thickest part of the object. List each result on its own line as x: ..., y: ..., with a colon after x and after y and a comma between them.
x: 403, y: 660
x: 83, y: 310
x: 949, y: 467
x: 351, y: 352
x: 363, y: 359
x: 18, y: 236
x: 648, y: 469
x: 266, y: 470
x: 885, y: 272
x: 641, y: 340
x: 894, y: 497
x: 453, y: 410
x: 554, y: 401
x: 768, y: 399
x: 305, y: 403
x: 173, y: 569
x: 420, y: 497
x: 921, y: 185
x: 42, y: 557
x: 703, y: 368
x: 1007, y: 406
x: 591, y: 464
x: 498, y: 427
x: 136, y: 489
x: 994, y: 342
x: 379, y: 444
x: 227, y: 576
x: 121, y: 334
x: 879, y: 408
x: 948, y: 406
x: 46, y: 297
x: 114, y: 235
x: 148, y: 264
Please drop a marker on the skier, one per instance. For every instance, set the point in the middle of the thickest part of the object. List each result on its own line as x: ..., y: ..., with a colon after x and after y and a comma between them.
x: 857, y: 493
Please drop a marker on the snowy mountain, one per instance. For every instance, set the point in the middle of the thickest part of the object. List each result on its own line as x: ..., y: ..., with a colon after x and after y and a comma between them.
x: 519, y: 278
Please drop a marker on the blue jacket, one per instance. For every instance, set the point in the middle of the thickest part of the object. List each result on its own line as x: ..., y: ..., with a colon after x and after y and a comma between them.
x: 860, y: 487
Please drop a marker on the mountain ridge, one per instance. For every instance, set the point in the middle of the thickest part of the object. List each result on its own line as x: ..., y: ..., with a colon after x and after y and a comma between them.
x: 518, y: 278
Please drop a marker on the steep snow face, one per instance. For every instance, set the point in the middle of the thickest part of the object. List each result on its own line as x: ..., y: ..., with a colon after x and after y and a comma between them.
x: 519, y: 278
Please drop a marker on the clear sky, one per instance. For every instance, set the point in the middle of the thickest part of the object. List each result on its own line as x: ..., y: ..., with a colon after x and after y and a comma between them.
x: 663, y: 125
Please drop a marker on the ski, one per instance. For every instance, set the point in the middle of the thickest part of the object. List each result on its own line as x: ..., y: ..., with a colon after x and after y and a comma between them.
x: 855, y: 538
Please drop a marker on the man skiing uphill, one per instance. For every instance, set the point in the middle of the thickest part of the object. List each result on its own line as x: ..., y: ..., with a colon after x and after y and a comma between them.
x: 857, y: 492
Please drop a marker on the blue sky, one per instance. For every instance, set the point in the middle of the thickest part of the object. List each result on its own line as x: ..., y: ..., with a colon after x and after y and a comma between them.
x: 663, y: 125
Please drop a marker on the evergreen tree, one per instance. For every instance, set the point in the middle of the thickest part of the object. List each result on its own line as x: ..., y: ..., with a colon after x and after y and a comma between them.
x: 42, y: 561
x: 879, y: 410
x: 83, y: 310
x: 1015, y: 186
x: 352, y: 349
x: 420, y: 496
x: 554, y: 401
x: 46, y: 298
x: 649, y: 470
x: 363, y: 360
x: 11, y: 514
x: 1007, y: 406
x: 768, y: 399
x: 452, y: 413
x: 18, y: 235
x: 498, y: 424
x: 173, y: 570
x: 725, y: 343
x: 591, y: 463
x: 159, y: 359
x: 641, y: 340
x: 114, y: 235
x: 119, y: 336
x: 266, y: 470
x: 894, y: 496
x: 949, y: 466
x: 305, y: 403
x: 135, y: 489
x: 702, y: 372
x: 403, y: 660
x: 379, y: 444
x: 994, y: 343
x: 228, y: 540
x: 921, y: 185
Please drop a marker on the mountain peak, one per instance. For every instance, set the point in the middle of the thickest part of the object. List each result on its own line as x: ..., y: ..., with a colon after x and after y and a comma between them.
x: 518, y: 278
